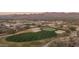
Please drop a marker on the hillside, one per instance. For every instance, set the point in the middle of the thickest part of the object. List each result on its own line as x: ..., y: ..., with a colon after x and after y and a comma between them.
x: 43, y: 16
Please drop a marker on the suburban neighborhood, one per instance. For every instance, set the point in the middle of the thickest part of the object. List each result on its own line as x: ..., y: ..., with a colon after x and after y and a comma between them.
x: 39, y: 33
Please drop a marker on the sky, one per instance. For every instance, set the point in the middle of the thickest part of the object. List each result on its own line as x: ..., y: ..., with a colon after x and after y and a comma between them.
x: 39, y: 5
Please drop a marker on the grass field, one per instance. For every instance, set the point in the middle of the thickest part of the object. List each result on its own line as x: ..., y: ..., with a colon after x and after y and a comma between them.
x: 31, y: 36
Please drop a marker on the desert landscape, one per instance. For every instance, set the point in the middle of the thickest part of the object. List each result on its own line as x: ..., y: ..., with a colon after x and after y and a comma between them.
x: 40, y: 29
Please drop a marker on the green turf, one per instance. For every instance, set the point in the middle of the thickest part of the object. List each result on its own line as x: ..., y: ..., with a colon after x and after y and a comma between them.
x: 31, y: 36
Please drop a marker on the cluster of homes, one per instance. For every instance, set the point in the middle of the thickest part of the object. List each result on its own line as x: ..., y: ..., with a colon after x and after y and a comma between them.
x: 8, y: 27
x: 35, y: 26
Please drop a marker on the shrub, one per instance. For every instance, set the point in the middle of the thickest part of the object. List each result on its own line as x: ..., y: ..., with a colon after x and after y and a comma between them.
x: 72, y: 28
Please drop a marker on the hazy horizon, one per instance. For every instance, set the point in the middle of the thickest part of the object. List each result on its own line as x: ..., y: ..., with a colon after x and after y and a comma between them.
x: 7, y: 13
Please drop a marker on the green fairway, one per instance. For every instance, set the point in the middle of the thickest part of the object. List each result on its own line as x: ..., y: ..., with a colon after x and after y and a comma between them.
x: 31, y: 36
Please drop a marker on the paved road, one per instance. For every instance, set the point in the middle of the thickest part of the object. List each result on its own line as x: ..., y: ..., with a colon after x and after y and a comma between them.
x: 47, y: 44
x: 71, y: 35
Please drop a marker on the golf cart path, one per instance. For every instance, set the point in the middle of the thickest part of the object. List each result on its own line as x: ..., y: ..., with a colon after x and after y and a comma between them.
x: 47, y: 44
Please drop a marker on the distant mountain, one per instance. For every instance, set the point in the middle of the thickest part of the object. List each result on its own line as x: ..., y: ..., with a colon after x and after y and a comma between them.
x: 42, y: 16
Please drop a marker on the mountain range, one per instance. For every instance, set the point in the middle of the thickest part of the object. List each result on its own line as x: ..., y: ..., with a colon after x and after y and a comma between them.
x: 40, y: 16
